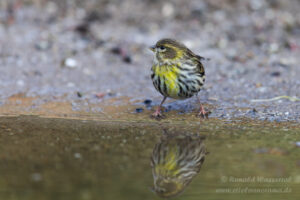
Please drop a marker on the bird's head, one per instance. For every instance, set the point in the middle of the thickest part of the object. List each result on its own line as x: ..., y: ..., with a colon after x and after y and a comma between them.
x: 169, y: 50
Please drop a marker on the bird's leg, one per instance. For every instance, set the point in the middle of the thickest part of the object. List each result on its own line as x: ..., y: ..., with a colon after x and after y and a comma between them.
x: 202, y: 112
x: 157, y: 113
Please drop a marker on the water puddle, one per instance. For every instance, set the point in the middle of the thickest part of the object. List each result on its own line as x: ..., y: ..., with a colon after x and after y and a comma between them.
x: 42, y: 158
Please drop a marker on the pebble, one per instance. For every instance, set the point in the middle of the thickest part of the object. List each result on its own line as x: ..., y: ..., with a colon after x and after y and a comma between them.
x: 261, y: 150
x: 275, y: 74
x: 36, y: 177
x: 167, y: 10
x: 274, y: 48
x: 79, y: 94
x: 43, y: 45
x: 70, y: 84
x: 70, y: 63
x: 262, y: 89
x: 119, y: 51
x: 127, y: 59
x: 272, y: 151
x: 87, y: 71
x: 147, y: 102
x: 77, y: 155
x: 110, y: 93
x: 298, y: 144
x: 256, y: 4
x: 222, y: 43
x: 83, y: 28
x: 287, y: 61
x: 116, y: 50
x: 139, y: 110
x: 20, y: 83
x: 100, y: 95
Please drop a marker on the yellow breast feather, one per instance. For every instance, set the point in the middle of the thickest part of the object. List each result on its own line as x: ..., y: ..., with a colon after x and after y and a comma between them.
x: 169, y: 75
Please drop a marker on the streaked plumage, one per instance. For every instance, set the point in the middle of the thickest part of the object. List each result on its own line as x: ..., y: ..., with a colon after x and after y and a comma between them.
x: 175, y: 161
x: 177, y: 72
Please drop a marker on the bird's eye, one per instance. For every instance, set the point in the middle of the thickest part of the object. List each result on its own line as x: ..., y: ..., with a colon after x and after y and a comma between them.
x: 162, y: 48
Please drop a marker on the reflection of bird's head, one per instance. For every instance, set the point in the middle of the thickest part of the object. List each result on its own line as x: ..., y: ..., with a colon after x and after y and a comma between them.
x: 176, y: 160
x: 168, y: 188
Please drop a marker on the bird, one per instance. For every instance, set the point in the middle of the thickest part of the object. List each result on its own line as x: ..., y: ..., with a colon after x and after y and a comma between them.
x: 177, y: 73
x: 175, y: 161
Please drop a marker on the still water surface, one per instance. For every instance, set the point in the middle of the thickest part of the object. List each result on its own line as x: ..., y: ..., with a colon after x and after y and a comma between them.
x: 82, y: 159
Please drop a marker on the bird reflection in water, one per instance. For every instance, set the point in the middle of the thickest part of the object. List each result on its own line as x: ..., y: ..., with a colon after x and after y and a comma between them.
x: 175, y: 161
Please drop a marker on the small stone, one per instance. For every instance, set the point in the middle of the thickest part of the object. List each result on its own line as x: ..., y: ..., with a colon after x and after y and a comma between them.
x: 127, y: 59
x: 43, y: 45
x: 110, y: 93
x: 116, y: 50
x: 262, y: 89
x: 297, y: 177
x: 293, y: 46
x: 286, y: 61
x: 83, y: 28
x: 70, y: 84
x: 87, y: 71
x: 20, y: 83
x: 70, y: 63
x: 222, y: 43
x: 250, y: 55
x: 258, y: 85
x: 298, y: 144
x: 79, y: 94
x: 167, y: 10
x: 77, y: 155
x: 274, y: 48
x: 256, y: 4
x: 277, y: 151
x: 120, y: 51
x: 276, y: 74
x: 37, y: 73
x: 36, y: 177
x: 100, y: 95
x: 231, y: 53
x: 93, y: 16
x: 96, y: 148
x: 148, y: 102
x: 139, y: 110
x: 261, y: 150
x: 99, y: 43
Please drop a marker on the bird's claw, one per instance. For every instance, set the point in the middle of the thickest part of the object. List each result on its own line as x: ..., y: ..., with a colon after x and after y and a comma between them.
x: 157, y: 115
x: 203, y: 114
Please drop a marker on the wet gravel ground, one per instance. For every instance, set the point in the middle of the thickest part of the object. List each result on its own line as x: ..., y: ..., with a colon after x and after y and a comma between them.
x: 95, y: 50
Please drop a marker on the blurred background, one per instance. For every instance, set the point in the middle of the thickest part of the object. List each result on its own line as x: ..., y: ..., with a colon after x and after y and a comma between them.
x: 89, y: 60
x: 74, y: 49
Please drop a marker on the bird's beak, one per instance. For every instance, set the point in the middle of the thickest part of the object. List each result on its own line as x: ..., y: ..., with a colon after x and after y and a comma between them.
x: 152, y: 48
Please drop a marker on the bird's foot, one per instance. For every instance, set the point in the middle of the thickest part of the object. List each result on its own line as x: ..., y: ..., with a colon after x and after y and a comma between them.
x: 157, y: 114
x: 202, y: 113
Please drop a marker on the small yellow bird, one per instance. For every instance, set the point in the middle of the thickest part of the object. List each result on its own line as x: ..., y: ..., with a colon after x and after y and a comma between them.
x: 177, y: 72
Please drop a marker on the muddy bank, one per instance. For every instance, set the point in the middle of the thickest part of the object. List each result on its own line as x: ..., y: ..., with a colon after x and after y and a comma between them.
x: 87, y: 53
